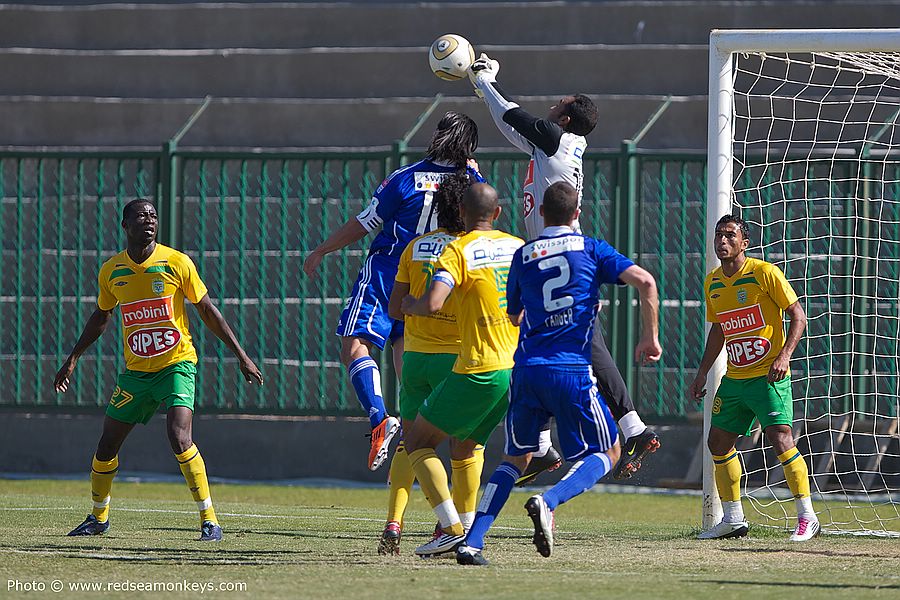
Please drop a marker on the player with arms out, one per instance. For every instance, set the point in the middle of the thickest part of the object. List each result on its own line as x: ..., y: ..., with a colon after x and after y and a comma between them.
x: 472, y: 400
x: 430, y: 347
x: 746, y: 299
x: 403, y: 207
x: 556, y: 145
x: 553, y: 292
x: 150, y: 282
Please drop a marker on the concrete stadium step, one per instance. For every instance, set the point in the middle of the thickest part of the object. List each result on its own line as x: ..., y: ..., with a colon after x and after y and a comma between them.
x: 293, y: 25
x: 281, y: 122
x: 317, y: 72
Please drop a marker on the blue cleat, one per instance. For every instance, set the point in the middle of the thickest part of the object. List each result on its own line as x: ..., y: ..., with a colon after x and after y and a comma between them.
x: 91, y: 526
x: 210, y: 532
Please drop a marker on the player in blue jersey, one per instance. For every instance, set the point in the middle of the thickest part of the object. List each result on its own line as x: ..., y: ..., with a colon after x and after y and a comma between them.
x: 552, y: 292
x: 403, y: 208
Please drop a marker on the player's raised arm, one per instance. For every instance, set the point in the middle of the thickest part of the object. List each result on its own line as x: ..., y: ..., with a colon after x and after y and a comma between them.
x: 483, y: 75
x: 93, y: 329
x: 216, y: 323
x: 648, y: 348
x: 348, y: 233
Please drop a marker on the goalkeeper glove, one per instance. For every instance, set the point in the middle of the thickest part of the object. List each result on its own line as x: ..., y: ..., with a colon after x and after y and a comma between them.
x: 483, y: 69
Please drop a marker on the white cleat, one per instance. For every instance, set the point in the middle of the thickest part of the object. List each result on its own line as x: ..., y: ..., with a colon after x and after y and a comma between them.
x: 542, y: 517
x: 443, y: 543
x: 725, y: 530
x: 806, y: 529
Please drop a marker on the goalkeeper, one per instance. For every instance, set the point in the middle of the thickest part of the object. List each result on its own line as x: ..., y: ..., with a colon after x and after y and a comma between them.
x: 746, y: 299
x: 556, y: 145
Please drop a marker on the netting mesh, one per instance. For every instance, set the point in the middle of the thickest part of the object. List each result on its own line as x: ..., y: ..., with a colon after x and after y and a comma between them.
x: 817, y: 175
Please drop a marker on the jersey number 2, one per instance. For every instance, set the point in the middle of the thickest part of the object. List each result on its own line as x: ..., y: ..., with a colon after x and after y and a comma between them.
x: 554, y: 283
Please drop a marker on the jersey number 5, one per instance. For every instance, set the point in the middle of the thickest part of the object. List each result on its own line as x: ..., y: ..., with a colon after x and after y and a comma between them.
x: 554, y: 283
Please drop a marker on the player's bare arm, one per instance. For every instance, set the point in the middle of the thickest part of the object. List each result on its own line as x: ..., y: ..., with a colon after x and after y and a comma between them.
x: 715, y: 341
x: 348, y: 233
x: 93, y: 329
x: 430, y: 302
x: 648, y: 348
x: 797, y: 316
x: 217, y: 324
x: 400, y: 291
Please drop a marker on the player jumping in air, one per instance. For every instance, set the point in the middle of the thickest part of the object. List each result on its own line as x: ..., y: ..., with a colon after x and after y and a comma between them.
x: 556, y: 145
x: 553, y: 293
x: 746, y: 299
x: 472, y: 400
x: 403, y: 207
x: 149, y: 282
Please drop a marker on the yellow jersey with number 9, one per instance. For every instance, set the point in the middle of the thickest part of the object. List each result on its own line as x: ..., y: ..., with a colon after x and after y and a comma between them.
x: 476, y: 266
x: 150, y: 296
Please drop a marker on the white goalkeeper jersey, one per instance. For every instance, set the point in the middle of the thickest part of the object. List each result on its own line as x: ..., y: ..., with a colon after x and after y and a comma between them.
x: 555, y: 153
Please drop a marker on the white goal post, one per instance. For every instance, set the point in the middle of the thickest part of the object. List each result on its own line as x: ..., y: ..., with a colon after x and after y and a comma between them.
x: 804, y: 144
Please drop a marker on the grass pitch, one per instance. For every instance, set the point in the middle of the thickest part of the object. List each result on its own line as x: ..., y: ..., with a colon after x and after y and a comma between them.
x: 295, y: 542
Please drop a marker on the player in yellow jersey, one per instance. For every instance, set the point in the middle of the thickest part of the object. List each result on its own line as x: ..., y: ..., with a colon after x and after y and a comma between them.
x: 472, y: 400
x: 746, y: 300
x: 150, y: 283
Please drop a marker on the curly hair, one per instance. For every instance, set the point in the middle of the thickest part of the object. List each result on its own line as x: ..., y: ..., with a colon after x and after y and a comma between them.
x: 448, y: 198
x: 455, y: 139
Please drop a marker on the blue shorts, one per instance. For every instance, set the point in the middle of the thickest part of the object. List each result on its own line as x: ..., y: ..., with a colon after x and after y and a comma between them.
x: 567, y: 393
x: 366, y: 313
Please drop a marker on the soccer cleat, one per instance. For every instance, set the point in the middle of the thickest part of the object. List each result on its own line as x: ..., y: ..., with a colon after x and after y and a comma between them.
x: 725, y: 530
x: 636, y: 448
x: 542, y: 517
x: 381, y: 440
x: 806, y: 529
x: 389, y: 544
x: 91, y: 526
x: 548, y: 462
x: 210, y: 532
x: 466, y: 555
x: 445, y: 543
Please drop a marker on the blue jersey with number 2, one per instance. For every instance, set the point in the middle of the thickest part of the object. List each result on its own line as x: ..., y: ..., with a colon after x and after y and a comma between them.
x: 555, y: 279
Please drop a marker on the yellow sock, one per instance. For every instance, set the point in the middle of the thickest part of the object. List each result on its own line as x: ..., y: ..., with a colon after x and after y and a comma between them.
x: 194, y: 470
x: 433, y: 478
x: 402, y: 478
x: 102, y: 474
x: 466, y: 477
x: 795, y: 472
x: 728, y: 476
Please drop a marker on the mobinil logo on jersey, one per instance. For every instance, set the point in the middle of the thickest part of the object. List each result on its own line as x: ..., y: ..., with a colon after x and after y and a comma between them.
x: 539, y: 249
x: 429, y: 249
x: 429, y: 182
x: 747, y: 351
x: 486, y: 253
x: 741, y: 320
x: 153, y: 341
x: 147, y: 312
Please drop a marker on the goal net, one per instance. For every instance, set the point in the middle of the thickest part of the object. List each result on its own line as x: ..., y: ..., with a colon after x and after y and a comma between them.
x: 807, y: 122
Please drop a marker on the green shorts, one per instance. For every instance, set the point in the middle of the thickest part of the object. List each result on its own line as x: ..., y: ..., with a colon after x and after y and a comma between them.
x: 469, y: 407
x: 421, y: 374
x: 138, y: 395
x: 739, y: 401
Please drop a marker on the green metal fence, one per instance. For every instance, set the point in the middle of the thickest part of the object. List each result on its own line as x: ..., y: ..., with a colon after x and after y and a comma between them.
x: 248, y: 219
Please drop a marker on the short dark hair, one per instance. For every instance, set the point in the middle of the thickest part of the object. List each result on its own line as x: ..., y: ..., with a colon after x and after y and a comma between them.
x: 582, y: 113
x: 480, y: 200
x: 447, y: 199
x: 560, y: 203
x: 126, y: 210
x: 742, y: 224
x: 455, y: 139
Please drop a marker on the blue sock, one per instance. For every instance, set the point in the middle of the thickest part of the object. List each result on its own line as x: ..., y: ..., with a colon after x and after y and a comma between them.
x: 367, y: 382
x: 580, y: 478
x: 496, y: 493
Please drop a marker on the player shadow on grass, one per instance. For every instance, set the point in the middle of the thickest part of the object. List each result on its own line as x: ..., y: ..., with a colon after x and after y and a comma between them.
x: 797, y: 584
x: 167, y: 556
x: 830, y: 553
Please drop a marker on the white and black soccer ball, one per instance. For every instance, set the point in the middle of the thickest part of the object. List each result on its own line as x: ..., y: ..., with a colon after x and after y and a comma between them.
x: 451, y: 56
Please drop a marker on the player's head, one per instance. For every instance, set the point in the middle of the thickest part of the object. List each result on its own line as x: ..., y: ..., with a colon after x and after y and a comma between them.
x: 447, y: 200
x: 732, y: 237
x: 560, y: 206
x: 140, y: 221
x: 480, y: 206
x: 576, y: 114
x: 455, y: 139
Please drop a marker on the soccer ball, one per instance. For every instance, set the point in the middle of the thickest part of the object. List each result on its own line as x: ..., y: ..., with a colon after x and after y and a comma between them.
x: 451, y: 56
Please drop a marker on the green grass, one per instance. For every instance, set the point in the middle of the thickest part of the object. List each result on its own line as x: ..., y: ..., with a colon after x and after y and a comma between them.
x: 295, y: 542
